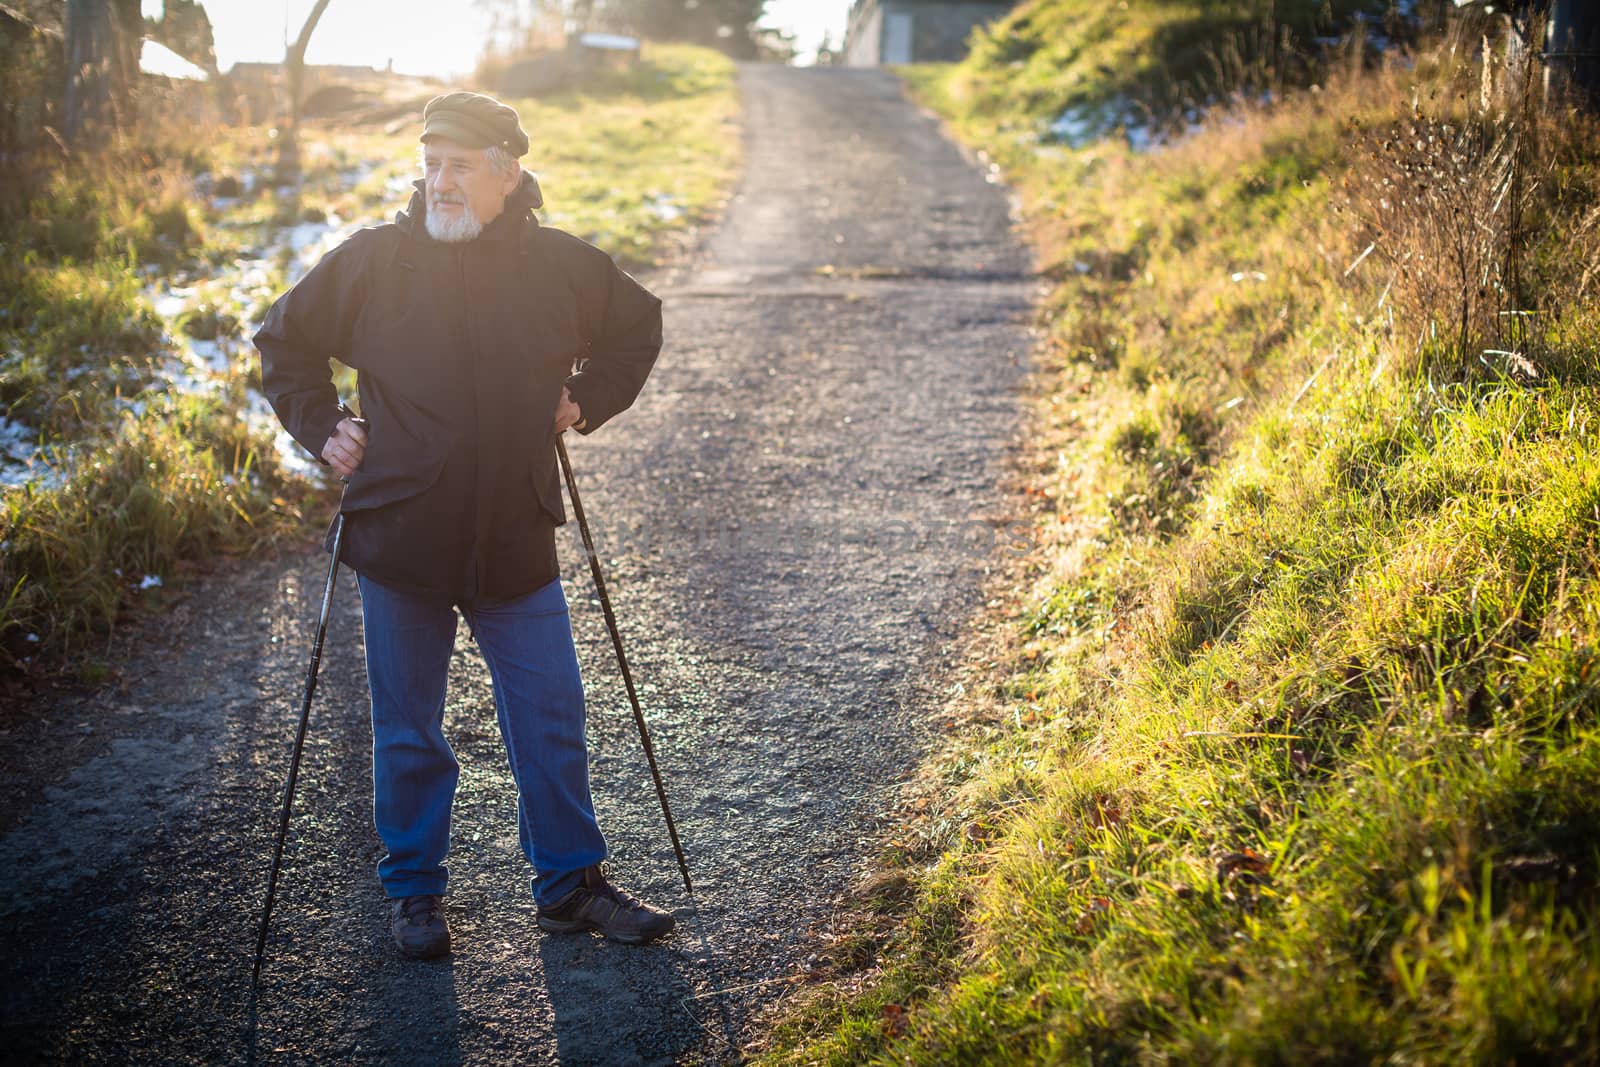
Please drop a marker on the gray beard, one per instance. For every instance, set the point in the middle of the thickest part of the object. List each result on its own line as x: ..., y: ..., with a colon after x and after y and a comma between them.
x: 453, y: 231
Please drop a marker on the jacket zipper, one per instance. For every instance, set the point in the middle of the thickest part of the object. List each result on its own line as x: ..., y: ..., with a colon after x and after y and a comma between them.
x: 470, y: 362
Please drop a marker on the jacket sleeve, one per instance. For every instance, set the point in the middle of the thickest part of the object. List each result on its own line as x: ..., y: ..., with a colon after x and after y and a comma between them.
x: 621, y: 322
x: 306, y: 327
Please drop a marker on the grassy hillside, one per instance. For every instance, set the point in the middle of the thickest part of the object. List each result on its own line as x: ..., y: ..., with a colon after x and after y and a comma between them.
x: 133, y: 439
x: 1287, y: 749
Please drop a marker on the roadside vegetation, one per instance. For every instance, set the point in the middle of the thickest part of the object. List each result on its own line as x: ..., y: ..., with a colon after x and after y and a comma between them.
x: 1285, y: 747
x: 133, y: 438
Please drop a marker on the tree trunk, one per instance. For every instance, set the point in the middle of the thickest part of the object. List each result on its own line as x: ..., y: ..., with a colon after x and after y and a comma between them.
x: 103, y: 39
x: 294, y: 69
x: 91, y: 53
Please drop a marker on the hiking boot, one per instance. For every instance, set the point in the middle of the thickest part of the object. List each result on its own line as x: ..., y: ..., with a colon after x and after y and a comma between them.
x: 418, y: 926
x: 598, y: 905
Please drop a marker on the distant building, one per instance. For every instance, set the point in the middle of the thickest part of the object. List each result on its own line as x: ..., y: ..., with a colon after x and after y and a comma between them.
x: 260, y: 88
x: 915, y: 31
x: 273, y: 71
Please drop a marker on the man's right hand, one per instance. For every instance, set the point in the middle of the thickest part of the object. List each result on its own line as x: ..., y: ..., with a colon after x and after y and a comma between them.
x: 346, y: 447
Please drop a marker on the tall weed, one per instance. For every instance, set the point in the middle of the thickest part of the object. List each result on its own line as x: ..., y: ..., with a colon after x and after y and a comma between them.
x: 1465, y: 204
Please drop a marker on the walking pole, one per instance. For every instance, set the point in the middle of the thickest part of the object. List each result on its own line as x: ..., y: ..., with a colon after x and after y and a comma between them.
x: 300, y: 738
x: 622, y: 659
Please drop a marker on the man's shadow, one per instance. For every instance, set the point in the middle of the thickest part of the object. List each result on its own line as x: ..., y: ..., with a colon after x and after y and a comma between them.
x: 627, y: 1004
x: 429, y: 1030
x: 366, y: 1027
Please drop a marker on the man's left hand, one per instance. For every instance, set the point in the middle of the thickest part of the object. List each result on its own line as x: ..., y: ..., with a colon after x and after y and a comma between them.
x: 567, y: 413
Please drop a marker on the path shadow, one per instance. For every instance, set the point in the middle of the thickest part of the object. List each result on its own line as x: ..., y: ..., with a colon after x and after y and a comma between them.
x: 361, y: 1002
x: 624, y: 1004
x: 430, y: 1031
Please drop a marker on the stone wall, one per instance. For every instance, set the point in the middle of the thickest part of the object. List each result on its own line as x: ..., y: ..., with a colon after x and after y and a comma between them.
x: 863, y: 40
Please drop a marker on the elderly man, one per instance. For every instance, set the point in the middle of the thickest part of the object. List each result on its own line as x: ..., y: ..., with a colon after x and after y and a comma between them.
x: 465, y: 319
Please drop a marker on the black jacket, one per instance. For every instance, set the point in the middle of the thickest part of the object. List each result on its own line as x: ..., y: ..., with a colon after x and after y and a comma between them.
x: 461, y: 351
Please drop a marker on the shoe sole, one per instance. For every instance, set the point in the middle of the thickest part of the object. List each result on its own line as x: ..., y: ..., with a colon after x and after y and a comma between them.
x: 424, y: 954
x: 578, y: 926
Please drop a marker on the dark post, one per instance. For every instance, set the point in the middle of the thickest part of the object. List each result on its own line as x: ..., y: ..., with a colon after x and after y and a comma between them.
x: 1572, y: 52
x: 91, y: 47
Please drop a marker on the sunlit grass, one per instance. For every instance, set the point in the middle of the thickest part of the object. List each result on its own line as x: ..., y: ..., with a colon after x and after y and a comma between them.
x: 650, y: 161
x: 1290, y: 753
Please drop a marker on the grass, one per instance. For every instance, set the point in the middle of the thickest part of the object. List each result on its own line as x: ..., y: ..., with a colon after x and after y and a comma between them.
x: 1081, y: 70
x: 132, y: 281
x: 1286, y: 750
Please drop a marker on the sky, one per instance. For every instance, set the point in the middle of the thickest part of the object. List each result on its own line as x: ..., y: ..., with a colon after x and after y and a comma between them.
x: 439, y: 37
x: 809, y: 19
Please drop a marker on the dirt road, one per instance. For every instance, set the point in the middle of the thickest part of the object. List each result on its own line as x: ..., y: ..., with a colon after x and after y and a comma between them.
x: 796, y: 518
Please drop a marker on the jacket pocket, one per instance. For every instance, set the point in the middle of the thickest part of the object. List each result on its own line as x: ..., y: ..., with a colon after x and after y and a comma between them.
x: 388, y: 479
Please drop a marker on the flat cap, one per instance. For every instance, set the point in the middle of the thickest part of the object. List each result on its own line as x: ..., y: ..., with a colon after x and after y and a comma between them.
x: 473, y: 120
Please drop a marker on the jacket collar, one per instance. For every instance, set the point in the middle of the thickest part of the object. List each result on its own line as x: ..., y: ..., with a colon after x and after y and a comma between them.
x: 520, y: 205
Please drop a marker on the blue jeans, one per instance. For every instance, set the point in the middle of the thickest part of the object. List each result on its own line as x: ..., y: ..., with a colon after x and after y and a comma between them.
x: 538, y: 693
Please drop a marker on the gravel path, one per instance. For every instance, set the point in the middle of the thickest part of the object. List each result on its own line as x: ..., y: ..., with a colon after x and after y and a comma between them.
x: 796, y: 519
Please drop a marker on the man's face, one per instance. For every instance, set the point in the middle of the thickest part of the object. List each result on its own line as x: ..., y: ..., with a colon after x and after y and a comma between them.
x: 464, y: 192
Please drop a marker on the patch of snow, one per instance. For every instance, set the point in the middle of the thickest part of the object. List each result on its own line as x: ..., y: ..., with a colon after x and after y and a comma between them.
x: 664, y: 207
x: 173, y: 300
x: 303, y: 235
x: 150, y: 581
x: 1077, y: 126
x: 296, y: 459
x: 16, y: 441
x: 18, y: 453
x: 212, y: 354
x: 1082, y: 124
x: 156, y: 58
x: 308, y: 242
x: 357, y: 174
x: 253, y: 179
x: 1140, y: 139
x: 241, y: 289
x: 613, y: 42
x: 46, y: 469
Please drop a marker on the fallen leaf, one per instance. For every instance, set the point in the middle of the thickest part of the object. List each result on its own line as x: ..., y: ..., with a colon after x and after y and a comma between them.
x: 1097, y: 906
x: 1246, y: 865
